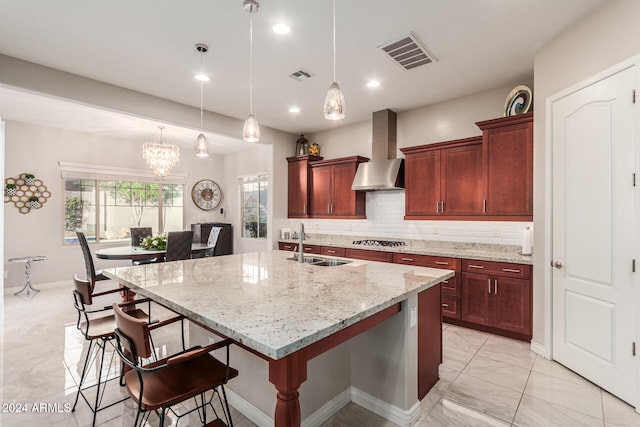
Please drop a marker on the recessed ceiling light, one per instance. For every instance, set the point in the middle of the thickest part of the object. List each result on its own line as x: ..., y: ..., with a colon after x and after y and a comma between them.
x: 373, y: 83
x: 202, y: 77
x: 281, y: 29
x: 294, y: 109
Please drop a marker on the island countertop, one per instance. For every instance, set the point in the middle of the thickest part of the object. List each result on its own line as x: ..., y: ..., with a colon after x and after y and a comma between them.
x: 273, y: 305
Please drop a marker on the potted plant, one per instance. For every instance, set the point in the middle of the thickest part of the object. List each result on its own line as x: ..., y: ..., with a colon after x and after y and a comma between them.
x: 34, y: 202
x: 11, y: 190
x: 28, y: 178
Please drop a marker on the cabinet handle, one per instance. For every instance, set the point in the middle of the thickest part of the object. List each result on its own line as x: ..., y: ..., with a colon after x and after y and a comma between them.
x: 329, y: 208
x: 437, y: 207
x: 445, y: 305
x: 489, y: 283
x: 331, y: 251
x: 445, y: 281
x: 287, y: 246
x: 407, y: 259
x: 476, y: 266
x: 442, y: 206
x: 304, y: 208
x: 510, y: 270
x: 484, y: 205
x: 442, y: 263
x: 495, y: 287
x: 308, y: 249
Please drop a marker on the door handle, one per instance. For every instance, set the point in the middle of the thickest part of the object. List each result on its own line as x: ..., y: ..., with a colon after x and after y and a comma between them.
x: 557, y: 264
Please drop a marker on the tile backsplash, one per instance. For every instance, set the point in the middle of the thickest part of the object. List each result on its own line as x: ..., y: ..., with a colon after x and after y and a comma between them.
x: 385, y: 218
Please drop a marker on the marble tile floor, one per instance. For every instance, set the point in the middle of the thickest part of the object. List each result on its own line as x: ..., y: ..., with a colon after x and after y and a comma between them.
x: 486, y: 380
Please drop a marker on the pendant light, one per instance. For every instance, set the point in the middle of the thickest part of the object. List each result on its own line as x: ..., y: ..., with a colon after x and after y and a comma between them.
x: 251, y: 129
x: 334, y: 106
x: 202, y: 150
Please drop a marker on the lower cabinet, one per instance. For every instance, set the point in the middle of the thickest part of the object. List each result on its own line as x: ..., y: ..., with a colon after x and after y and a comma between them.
x: 369, y: 255
x: 499, y: 298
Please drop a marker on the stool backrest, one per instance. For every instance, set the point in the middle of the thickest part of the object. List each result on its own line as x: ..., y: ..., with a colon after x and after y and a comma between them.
x: 136, y: 331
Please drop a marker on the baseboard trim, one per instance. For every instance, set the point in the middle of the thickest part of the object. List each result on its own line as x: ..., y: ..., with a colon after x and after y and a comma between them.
x: 254, y: 414
x: 538, y: 349
x: 328, y: 410
x: 404, y: 418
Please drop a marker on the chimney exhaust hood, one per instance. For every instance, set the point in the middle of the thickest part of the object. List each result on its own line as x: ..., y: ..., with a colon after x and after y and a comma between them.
x: 384, y: 171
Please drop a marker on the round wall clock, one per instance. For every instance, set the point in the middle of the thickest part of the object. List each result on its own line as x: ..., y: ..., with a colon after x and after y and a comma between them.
x: 206, y: 194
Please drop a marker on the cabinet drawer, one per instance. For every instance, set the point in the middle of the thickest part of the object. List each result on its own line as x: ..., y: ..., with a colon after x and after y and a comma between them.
x: 520, y: 271
x: 286, y: 246
x: 452, y: 285
x: 332, y: 251
x: 311, y: 249
x: 450, y: 305
x: 427, y: 261
x: 369, y: 255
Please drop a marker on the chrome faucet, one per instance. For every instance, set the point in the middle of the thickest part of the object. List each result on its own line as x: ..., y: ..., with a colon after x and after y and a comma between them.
x: 300, y: 244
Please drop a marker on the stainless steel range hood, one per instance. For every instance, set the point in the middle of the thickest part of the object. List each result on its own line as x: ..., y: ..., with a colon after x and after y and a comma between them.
x: 383, y: 171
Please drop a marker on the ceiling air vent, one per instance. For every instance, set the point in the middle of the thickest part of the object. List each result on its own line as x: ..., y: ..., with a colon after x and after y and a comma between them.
x: 408, y: 52
x: 300, y: 75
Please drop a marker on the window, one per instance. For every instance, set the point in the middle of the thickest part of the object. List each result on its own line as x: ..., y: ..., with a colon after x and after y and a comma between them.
x: 106, y: 209
x: 253, y: 199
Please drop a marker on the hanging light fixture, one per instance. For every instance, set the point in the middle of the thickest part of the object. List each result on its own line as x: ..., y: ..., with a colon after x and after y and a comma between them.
x: 160, y: 157
x: 334, y: 106
x: 202, y: 150
x: 251, y: 128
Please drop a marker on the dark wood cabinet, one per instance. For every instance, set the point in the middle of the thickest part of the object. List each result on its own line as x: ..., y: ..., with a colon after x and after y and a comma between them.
x: 332, y: 251
x: 331, y: 195
x: 283, y: 246
x: 299, y: 185
x: 444, y: 179
x: 508, y: 166
x: 429, y: 340
x: 369, y: 255
x: 450, y: 287
x: 498, y: 296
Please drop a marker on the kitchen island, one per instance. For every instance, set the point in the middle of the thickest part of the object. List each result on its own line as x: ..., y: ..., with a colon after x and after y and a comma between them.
x: 289, y: 313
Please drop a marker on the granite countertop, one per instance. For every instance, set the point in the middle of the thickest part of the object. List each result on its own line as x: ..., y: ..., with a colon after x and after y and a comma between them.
x: 479, y: 251
x: 273, y: 305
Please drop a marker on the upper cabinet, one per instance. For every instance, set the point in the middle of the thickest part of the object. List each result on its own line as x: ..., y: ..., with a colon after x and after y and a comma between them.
x: 331, y: 194
x: 508, y: 166
x: 443, y: 179
x: 480, y: 178
x: 300, y: 185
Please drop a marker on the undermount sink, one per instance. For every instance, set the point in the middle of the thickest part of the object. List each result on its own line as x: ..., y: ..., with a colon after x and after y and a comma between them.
x: 321, y: 262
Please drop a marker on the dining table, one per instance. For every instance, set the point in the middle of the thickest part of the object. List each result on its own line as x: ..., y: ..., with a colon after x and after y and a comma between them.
x: 136, y: 253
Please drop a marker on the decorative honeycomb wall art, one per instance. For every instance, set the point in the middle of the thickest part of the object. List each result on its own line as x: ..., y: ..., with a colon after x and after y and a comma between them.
x: 26, y: 192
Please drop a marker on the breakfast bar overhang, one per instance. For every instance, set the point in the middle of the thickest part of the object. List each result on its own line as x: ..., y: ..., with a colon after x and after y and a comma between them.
x: 288, y: 312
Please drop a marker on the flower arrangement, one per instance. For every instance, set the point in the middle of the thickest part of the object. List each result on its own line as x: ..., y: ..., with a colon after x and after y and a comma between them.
x: 154, y: 242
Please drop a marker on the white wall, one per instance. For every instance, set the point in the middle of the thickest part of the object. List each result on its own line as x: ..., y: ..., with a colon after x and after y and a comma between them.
x: 37, y: 149
x: 603, y: 38
x: 444, y: 121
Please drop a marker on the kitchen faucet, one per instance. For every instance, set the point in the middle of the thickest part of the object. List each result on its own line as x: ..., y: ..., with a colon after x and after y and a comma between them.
x: 300, y: 244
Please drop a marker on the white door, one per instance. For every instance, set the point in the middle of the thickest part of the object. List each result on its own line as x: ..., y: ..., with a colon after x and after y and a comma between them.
x: 594, y: 232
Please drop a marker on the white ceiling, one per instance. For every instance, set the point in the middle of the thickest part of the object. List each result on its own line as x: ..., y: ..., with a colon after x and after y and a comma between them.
x: 148, y: 46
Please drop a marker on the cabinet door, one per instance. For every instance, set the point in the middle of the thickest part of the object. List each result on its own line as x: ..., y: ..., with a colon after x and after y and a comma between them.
x: 286, y: 246
x: 344, y: 199
x: 321, y: 193
x: 422, y: 180
x: 477, y: 299
x: 450, y: 305
x: 508, y: 169
x: 461, y: 180
x: 298, y: 190
x: 369, y: 255
x: 512, y: 304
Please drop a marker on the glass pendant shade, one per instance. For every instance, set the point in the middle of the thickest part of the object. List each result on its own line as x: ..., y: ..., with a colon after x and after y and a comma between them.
x: 334, y: 106
x: 251, y: 129
x: 160, y: 157
x: 201, y: 146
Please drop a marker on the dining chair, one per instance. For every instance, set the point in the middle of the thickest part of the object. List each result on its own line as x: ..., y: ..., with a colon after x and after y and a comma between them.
x: 92, y: 275
x: 139, y: 233
x: 162, y: 384
x: 97, y: 326
x: 179, y: 245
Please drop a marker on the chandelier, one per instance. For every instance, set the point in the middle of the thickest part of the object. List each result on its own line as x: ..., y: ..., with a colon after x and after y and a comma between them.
x: 160, y: 157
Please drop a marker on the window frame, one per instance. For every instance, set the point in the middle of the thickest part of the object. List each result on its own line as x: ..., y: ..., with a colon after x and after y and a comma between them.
x: 99, y: 173
x: 259, y: 178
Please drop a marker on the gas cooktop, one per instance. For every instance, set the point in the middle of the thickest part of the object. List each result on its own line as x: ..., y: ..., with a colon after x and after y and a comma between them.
x: 370, y: 242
